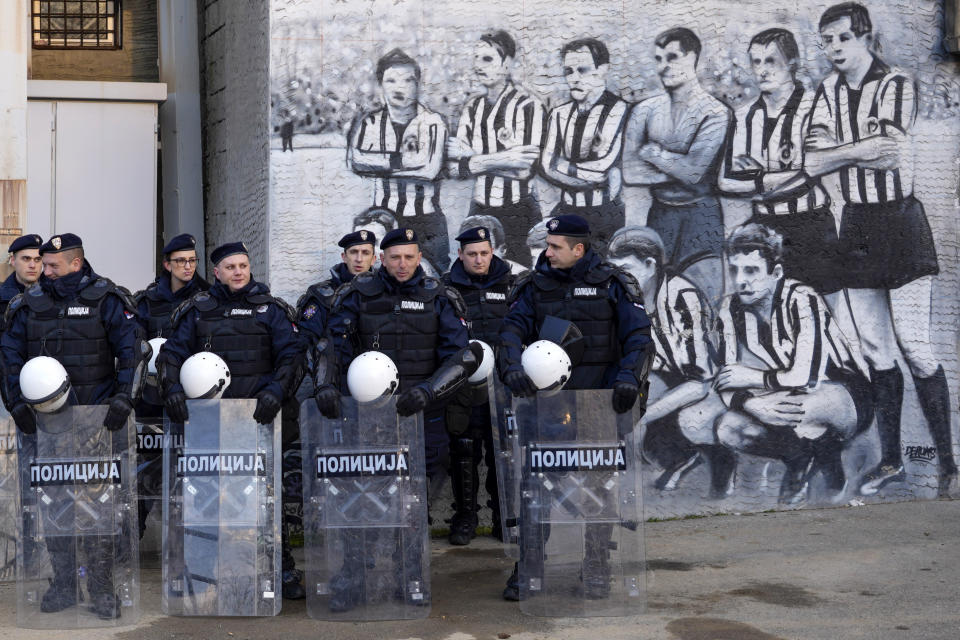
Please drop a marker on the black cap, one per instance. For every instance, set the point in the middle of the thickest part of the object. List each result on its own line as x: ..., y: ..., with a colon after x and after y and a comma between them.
x: 227, y: 250
x: 29, y: 241
x: 358, y: 237
x: 61, y: 242
x: 182, y: 242
x: 399, y: 236
x: 474, y: 234
x: 568, y: 225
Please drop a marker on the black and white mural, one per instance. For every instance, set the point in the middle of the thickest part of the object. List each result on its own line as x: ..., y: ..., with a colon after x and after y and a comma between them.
x: 780, y: 178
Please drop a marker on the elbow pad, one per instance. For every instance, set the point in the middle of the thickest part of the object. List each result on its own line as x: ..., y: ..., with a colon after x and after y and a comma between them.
x: 446, y: 380
x: 645, y: 363
x: 142, y: 352
x: 326, y: 370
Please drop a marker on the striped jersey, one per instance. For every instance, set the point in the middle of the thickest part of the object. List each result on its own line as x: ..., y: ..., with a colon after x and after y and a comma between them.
x: 516, y: 118
x: 797, y: 344
x: 775, y: 140
x: 587, y: 145
x: 376, y: 148
x: 887, y: 100
x: 680, y: 325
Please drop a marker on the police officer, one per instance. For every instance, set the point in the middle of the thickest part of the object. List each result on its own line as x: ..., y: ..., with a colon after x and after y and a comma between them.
x: 570, y: 282
x: 484, y: 281
x: 101, y: 346
x: 25, y: 260
x: 359, y: 255
x: 175, y: 285
x: 419, y: 324
x: 255, y: 334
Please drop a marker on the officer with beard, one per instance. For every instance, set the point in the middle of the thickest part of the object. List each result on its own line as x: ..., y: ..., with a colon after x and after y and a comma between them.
x: 484, y: 281
x: 573, y: 284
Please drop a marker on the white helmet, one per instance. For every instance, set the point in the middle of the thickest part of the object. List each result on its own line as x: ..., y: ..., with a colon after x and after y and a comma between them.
x: 45, y: 384
x: 204, y: 375
x: 546, y: 364
x: 486, y: 365
x: 155, y: 344
x: 371, y: 376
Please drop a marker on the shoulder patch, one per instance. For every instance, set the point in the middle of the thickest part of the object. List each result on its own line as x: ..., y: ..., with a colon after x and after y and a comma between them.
x: 456, y: 300
x: 12, y: 308
x: 630, y: 285
x: 289, y: 311
x: 430, y: 283
x: 518, y: 285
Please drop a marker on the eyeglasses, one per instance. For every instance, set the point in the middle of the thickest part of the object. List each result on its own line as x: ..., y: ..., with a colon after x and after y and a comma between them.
x: 184, y: 262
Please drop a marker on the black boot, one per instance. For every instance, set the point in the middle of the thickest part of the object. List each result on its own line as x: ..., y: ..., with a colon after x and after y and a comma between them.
x: 291, y: 578
x: 103, y: 597
x: 887, y: 386
x: 62, y: 593
x: 347, y: 585
x: 464, y: 478
x: 596, y: 561
x: 934, y: 396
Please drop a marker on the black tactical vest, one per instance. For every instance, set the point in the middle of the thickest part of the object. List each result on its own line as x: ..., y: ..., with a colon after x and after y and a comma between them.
x: 402, y: 326
x: 72, y: 332
x: 486, y: 309
x: 158, y: 316
x: 585, y: 303
x: 231, y: 330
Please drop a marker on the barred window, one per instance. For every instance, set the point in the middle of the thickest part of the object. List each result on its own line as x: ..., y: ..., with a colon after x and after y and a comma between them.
x: 77, y: 24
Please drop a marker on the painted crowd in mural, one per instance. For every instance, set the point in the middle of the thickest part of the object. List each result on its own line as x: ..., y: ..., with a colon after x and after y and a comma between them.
x: 786, y: 262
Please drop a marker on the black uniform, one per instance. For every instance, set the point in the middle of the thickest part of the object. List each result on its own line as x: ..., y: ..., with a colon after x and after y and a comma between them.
x: 89, y: 325
x: 468, y: 419
x: 605, y: 303
x: 154, y: 307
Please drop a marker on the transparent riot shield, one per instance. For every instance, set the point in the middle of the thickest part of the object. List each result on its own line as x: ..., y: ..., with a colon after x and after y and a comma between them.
x: 581, y: 541
x: 9, y: 491
x: 365, y: 513
x: 77, y: 553
x: 506, y: 443
x: 221, y: 512
x: 150, y: 441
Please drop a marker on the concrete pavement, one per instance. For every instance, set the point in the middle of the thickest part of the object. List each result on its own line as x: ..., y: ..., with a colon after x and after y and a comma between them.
x: 871, y: 572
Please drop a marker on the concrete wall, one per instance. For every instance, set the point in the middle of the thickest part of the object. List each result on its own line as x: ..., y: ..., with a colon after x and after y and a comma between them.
x: 134, y: 61
x: 323, y: 55
x: 234, y: 54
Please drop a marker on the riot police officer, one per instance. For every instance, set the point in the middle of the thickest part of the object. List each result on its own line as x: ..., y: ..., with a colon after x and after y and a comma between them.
x: 255, y: 334
x: 89, y: 325
x: 176, y: 284
x: 484, y: 281
x: 25, y: 260
x: 572, y: 285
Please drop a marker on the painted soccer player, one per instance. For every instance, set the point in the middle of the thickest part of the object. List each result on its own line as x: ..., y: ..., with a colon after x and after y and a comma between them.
x: 680, y: 321
x: 789, y: 380
x: 498, y: 141
x: 860, y: 128
x: 401, y: 146
x: 584, y: 137
x: 764, y: 154
x: 672, y: 144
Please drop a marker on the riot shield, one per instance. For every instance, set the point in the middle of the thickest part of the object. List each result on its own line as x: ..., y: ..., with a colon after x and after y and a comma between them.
x: 77, y: 553
x: 150, y: 441
x: 365, y: 513
x: 581, y: 542
x: 9, y: 488
x: 221, y: 512
x: 506, y: 443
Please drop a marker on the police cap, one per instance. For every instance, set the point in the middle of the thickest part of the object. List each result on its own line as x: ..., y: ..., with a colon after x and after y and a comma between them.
x: 399, y: 236
x: 474, y: 234
x: 29, y: 241
x: 358, y: 237
x: 182, y: 242
x: 227, y: 250
x: 568, y: 225
x: 61, y: 242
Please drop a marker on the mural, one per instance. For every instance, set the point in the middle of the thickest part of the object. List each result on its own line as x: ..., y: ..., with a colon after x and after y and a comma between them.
x: 781, y: 180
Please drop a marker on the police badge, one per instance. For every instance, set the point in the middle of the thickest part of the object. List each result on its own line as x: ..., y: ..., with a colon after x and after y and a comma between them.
x: 56, y: 242
x: 409, y: 234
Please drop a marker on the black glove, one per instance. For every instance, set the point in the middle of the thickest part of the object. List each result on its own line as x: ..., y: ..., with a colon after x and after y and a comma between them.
x: 119, y: 411
x: 624, y: 395
x: 520, y: 384
x: 268, y: 406
x: 327, y: 398
x: 176, y: 406
x: 412, y: 401
x: 25, y: 417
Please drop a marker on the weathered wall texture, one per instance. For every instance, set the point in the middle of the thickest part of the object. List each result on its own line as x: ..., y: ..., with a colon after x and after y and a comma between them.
x: 234, y: 53
x: 135, y: 61
x: 323, y: 55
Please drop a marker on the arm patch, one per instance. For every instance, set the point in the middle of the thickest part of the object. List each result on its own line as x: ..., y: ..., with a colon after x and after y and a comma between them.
x: 630, y: 285
x: 459, y: 306
x: 519, y: 284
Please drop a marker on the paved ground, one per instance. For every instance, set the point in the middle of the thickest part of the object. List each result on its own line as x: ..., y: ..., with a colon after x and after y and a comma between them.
x: 873, y: 572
